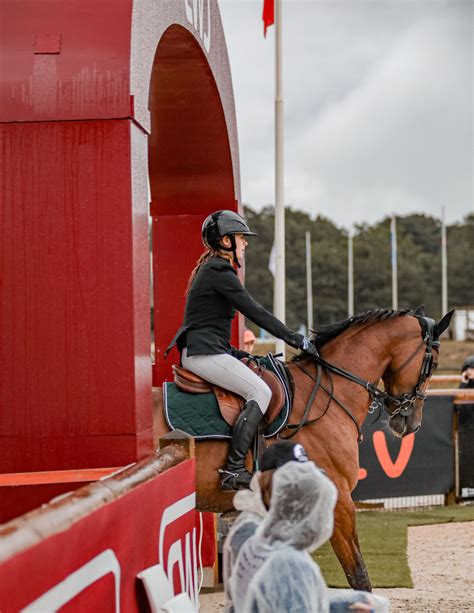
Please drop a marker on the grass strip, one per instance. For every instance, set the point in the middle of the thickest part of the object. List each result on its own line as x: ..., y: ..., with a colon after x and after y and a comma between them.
x: 383, y: 538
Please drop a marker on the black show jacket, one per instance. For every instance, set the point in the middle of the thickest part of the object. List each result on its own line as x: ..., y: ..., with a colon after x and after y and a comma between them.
x: 215, y: 296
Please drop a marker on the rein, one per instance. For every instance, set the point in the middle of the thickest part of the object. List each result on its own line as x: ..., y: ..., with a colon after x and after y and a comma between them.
x: 380, y: 399
x: 304, y: 421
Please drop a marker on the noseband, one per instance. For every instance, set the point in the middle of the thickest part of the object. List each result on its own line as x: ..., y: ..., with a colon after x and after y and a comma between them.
x: 380, y: 399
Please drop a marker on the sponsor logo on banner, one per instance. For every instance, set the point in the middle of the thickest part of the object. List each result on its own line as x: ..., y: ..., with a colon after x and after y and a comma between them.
x: 391, y: 469
x: 187, y: 566
x: 75, y: 583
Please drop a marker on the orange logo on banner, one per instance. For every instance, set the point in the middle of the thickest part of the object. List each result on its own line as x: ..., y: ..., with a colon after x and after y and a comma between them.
x: 391, y: 469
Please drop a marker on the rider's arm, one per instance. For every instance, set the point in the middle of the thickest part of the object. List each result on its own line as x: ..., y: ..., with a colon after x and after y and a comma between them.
x: 229, y: 286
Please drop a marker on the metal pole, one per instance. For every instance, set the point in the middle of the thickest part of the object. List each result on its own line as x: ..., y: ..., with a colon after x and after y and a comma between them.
x: 350, y: 274
x: 279, y: 180
x: 393, y: 232
x: 444, y: 265
x: 309, y: 282
x: 456, y: 452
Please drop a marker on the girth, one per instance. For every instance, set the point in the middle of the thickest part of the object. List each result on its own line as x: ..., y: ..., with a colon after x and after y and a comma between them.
x: 231, y: 404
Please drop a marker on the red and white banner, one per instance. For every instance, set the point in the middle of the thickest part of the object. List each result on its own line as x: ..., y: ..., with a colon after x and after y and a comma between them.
x: 93, y: 565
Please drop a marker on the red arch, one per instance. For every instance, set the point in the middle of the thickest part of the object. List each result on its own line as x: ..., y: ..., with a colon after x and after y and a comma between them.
x: 189, y: 154
x: 190, y: 173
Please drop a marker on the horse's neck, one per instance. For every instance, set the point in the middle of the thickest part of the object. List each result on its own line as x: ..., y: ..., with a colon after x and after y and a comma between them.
x: 363, y: 351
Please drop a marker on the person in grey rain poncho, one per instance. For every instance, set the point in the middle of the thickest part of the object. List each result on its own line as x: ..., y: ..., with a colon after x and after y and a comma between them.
x: 274, y: 571
x: 252, y: 511
x: 253, y: 504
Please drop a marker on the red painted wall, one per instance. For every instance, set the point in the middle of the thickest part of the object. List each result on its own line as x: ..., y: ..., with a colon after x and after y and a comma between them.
x: 68, y: 354
x: 74, y: 391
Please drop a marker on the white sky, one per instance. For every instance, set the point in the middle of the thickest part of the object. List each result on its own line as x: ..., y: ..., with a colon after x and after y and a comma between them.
x: 378, y: 106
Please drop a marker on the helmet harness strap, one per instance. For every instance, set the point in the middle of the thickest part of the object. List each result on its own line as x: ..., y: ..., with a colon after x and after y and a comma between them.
x: 233, y: 248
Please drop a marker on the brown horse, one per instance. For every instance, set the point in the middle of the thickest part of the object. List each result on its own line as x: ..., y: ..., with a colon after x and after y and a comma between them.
x: 395, y: 346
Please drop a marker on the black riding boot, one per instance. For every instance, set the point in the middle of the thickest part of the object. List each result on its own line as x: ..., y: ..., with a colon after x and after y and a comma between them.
x: 236, y: 476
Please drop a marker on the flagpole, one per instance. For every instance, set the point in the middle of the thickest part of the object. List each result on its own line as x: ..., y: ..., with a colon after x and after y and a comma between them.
x: 309, y: 282
x: 350, y: 274
x: 444, y: 265
x: 279, y: 288
x: 393, y: 233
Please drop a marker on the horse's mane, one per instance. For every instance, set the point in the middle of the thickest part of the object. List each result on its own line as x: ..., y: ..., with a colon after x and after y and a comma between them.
x: 325, y: 333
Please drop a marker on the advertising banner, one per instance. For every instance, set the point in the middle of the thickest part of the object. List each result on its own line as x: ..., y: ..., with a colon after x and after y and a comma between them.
x: 419, y: 464
x: 93, y: 565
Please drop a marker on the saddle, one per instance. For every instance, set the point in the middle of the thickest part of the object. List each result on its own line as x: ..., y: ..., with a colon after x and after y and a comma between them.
x: 231, y: 404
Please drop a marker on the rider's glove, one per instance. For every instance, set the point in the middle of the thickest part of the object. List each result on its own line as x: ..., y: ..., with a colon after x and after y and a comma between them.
x: 309, y: 347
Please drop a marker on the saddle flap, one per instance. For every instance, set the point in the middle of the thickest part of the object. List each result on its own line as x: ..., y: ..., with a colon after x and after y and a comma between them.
x: 230, y: 404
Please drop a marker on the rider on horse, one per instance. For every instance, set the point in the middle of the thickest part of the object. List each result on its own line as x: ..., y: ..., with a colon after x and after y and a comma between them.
x: 214, y: 295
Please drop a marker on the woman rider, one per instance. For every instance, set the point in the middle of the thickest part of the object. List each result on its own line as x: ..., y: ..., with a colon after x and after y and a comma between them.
x: 214, y: 295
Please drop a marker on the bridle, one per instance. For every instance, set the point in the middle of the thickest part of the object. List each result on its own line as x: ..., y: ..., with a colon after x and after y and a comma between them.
x: 379, y: 399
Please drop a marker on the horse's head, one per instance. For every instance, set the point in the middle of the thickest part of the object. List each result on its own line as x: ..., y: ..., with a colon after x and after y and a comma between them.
x: 407, y: 377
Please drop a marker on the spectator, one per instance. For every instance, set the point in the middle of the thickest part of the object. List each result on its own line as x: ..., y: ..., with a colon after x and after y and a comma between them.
x: 273, y: 571
x: 249, y: 341
x: 254, y: 503
x: 466, y: 418
x: 467, y: 373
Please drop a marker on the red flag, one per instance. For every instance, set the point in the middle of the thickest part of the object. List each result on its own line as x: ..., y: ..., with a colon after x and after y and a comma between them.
x: 268, y: 15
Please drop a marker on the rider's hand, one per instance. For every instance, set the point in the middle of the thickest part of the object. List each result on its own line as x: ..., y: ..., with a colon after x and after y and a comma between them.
x: 308, y: 347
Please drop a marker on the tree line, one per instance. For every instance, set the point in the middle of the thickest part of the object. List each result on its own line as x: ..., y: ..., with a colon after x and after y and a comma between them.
x: 419, y: 264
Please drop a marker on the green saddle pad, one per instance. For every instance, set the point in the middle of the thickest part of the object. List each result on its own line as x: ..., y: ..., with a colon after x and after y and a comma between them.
x: 199, y: 414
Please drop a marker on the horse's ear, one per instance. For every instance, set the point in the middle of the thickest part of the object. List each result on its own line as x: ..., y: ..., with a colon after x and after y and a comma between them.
x: 442, y: 325
x: 420, y: 310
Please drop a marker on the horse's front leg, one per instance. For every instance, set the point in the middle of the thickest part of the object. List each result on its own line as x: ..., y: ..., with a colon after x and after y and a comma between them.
x: 345, y: 543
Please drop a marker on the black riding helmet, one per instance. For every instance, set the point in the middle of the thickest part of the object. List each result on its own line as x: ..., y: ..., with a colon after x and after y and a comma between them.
x: 468, y: 363
x: 224, y: 223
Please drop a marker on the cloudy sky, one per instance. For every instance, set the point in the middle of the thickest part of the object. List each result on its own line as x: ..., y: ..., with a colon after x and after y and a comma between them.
x: 378, y: 106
